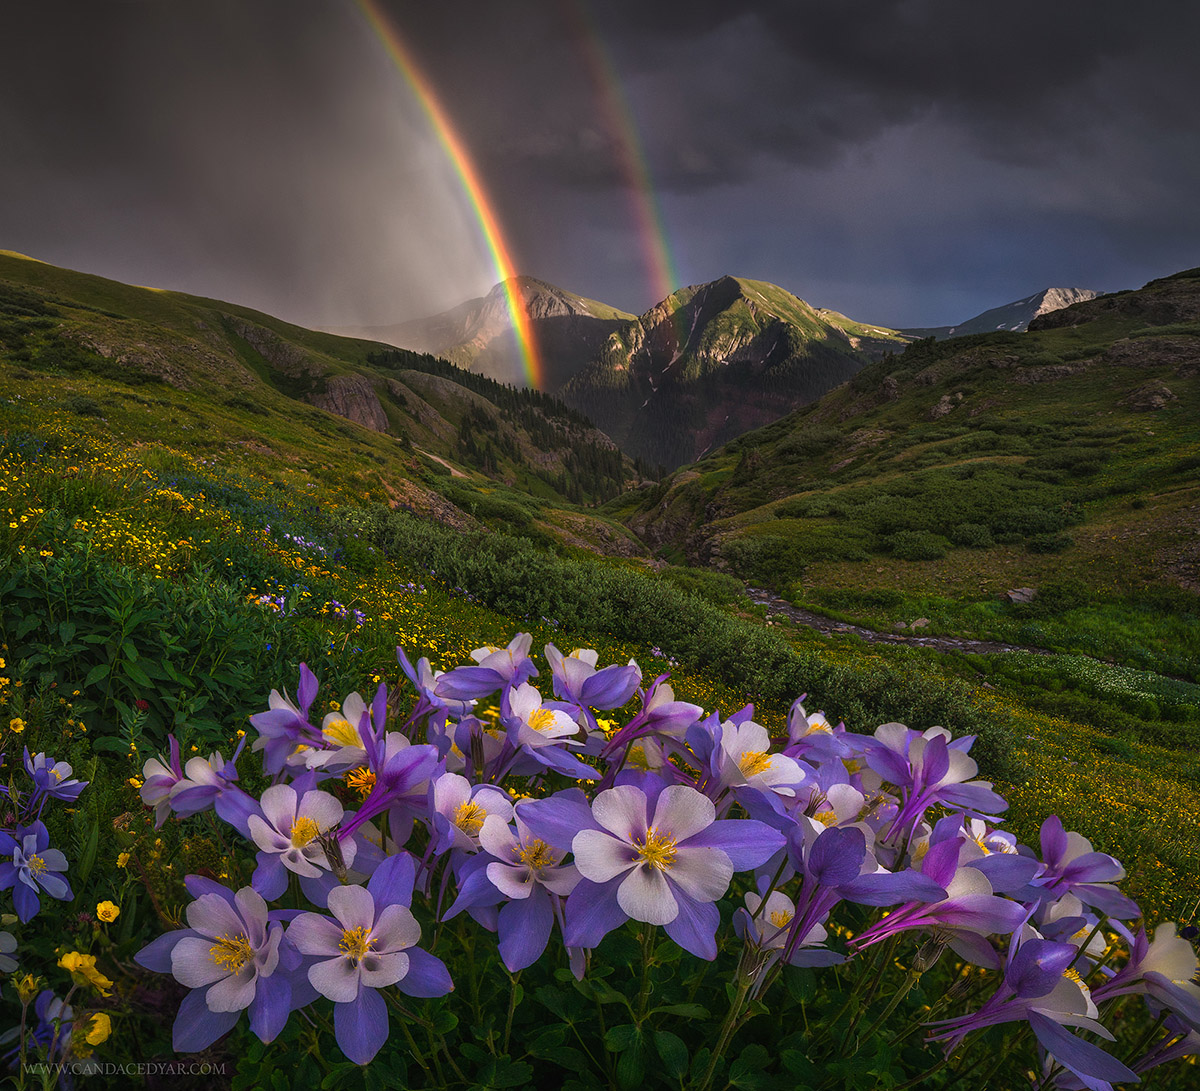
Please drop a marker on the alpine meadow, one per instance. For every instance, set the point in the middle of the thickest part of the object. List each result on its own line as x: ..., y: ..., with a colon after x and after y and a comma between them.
x: 469, y: 682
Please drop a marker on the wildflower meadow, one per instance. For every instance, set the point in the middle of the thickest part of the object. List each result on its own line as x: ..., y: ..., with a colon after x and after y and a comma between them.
x: 277, y: 815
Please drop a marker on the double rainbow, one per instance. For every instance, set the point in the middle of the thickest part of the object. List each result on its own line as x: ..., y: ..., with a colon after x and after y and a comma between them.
x: 631, y: 161
x: 531, y: 360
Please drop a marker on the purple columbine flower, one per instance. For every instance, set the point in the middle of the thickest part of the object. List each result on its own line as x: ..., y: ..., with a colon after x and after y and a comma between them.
x: 928, y: 768
x: 55, y: 1021
x: 208, y: 782
x: 8, y: 944
x: 529, y: 872
x: 285, y: 725
x: 1071, y: 866
x: 159, y: 777
x: 1164, y: 969
x: 52, y: 779
x: 661, y: 857
x: 288, y: 835
x: 962, y: 919
x: 1040, y: 987
x: 460, y: 810
x: 497, y: 667
x: 768, y: 924
x: 233, y: 956
x: 540, y: 733
x: 34, y: 866
x: 368, y: 945
x: 577, y: 680
x: 402, y: 773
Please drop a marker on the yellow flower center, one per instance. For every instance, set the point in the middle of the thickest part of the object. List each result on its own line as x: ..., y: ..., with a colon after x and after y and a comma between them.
x: 541, y: 720
x: 753, y: 762
x: 362, y: 780
x: 36, y: 864
x: 304, y: 829
x: 826, y: 818
x: 658, y: 850
x: 781, y: 918
x: 342, y: 732
x: 469, y: 818
x: 637, y: 757
x: 354, y: 943
x: 1073, y: 975
x: 536, y: 854
x: 979, y: 842
x: 231, y: 953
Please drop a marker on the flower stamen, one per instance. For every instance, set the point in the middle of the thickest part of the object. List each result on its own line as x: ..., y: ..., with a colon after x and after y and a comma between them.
x: 658, y: 850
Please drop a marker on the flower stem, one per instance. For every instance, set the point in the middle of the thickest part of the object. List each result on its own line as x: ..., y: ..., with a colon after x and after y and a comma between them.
x: 512, y: 1006
x: 730, y: 1025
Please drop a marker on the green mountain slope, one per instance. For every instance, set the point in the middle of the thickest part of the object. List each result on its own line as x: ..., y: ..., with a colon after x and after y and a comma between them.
x: 714, y: 360
x: 1065, y: 459
x: 217, y: 378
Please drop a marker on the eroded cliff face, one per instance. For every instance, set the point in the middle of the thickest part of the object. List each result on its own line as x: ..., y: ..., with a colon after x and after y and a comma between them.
x: 352, y: 397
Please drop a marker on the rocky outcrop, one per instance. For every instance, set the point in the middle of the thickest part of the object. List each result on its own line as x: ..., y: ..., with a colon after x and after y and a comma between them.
x: 1150, y: 396
x: 352, y: 397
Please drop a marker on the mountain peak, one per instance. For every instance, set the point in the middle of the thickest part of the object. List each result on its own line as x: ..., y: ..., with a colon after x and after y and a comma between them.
x: 1013, y: 317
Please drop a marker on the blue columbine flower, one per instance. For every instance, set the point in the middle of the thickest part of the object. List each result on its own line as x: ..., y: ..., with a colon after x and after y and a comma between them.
x: 34, y: 866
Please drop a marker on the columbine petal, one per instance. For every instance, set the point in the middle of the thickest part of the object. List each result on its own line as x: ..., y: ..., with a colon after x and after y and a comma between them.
x: 622, y: 811
x: 335, y: 978
x: 601, y: 857
x: 701, y: 873
x: 682, y: 812
x: 645, y: 895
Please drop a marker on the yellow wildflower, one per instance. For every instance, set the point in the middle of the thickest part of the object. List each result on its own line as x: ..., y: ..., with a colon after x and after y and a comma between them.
x: 123, y: 859
x: 99, y: 1029
x: 16, y: 725
x: 107, y: 912
x: 82, y: 969
x: 28, y: 988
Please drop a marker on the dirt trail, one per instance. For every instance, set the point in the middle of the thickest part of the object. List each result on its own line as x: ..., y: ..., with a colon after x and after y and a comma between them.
x: 823, y: 624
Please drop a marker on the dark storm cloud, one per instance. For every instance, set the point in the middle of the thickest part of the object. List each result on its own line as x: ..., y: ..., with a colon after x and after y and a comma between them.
x: 907, y: 162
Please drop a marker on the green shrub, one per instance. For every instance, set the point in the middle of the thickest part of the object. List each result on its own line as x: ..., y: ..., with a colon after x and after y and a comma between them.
x: 972, y: 535
x: 917, y: 545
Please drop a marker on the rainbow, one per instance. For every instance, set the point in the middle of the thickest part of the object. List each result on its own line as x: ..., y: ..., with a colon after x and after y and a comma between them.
x: 531, y: 360
x: 660, y: 266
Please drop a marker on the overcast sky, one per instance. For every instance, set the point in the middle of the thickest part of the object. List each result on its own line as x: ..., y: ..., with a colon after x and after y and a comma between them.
x: 907, y: 163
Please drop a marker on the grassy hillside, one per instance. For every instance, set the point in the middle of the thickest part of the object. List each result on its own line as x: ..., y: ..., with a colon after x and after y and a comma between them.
x: 1066, y: 459
x: 214, y: 376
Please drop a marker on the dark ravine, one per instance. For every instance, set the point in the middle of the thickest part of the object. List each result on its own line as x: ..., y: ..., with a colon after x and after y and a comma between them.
x: 795, y: 614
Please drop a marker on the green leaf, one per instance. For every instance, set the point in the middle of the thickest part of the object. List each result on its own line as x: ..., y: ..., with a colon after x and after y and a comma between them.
x: 673, y: 1051
x: 131, y: 652
x: 444, y: 1021
x: 747, y: 1071
x: 66, y: 631
x: 505, y: 1072
x: 96, y: 673
x: 116, y: 746
x: 563, y: 1056
x: 688, y: 1011
x: 801, y: 983
x: 622, y: 1037
x: 136, y: 675
x: 799, y: 1065
x: 631, y: 1068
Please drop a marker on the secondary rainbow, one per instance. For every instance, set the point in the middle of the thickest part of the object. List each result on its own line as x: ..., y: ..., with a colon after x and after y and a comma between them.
x: 622, y: 127
x: 468, y: 176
